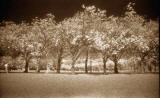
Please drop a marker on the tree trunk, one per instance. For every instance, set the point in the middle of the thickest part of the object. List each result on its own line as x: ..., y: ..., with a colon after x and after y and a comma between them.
x: 143, y: 65
x: 140, y: 66
x: 26, y: 66
x: 59, y: 64
x: 86, y: 62
x: 115, y: 67
x: 104, y: 65
x: 90, y: 65
x: 73, y: 69
x: 38, y: 69
x: 74, y: 59
x: 149, y: 68
x: 115, y: 64
x: 59, y: 60
x: 134, y: 68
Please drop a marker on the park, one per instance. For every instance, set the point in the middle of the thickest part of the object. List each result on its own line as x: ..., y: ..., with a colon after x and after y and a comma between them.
x: 89, y: 55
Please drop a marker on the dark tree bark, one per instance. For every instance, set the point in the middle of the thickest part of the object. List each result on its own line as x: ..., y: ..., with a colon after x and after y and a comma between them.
x: 149, y: 68
x: 86, y: 62
x: 143, y: 65
x: 116, y: 67
x: 59, y: 64
x: 90, y: 65
x: 75, y: 57
x: 27, y: 58
x: 26, y: 66
x: 104, y: 65
x: 140, y: 67
x: 155, y: 65
x: 115, y: 64
x: 59, y: 60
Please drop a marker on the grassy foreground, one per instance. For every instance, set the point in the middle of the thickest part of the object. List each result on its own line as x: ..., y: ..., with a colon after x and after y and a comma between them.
x: 33, y: 85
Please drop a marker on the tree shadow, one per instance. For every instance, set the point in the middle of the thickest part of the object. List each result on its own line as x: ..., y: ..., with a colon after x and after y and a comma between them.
x: 79, y: 73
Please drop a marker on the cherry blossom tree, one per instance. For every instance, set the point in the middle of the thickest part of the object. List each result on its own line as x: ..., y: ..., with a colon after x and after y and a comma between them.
x: 43, y: 30
x: 8, y: 39
x: 143, y: 35
x: 79, y: 29
x: 18, y: 37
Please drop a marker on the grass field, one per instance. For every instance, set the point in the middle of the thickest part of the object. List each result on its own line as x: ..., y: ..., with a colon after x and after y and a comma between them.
x: 33, y: 85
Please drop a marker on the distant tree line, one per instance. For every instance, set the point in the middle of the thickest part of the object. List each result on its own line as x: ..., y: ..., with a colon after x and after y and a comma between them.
x: 90, y: 30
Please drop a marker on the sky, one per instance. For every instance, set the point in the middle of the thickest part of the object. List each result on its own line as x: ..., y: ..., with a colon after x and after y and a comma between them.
x: 26, y: 10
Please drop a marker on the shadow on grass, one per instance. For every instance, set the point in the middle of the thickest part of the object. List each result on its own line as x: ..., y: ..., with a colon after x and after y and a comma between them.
x: 79, y: 73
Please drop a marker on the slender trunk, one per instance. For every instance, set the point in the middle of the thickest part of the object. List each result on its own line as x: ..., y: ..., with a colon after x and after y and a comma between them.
x: 115, y: 64
x: 86, y: 63
x: 154, y: 64
x: 142, y: 62
x: 38, y: 66
x: 116, y: 67
x: 59, y: 64
x: 90, y: 65
x: 73, y: 63
x: 75, y: 57
x: 26, y: 66
x: 59, y: 60
x: 143, y: 65
x: 149, y: 68
x: 104, y: 65
x: 140, y: 67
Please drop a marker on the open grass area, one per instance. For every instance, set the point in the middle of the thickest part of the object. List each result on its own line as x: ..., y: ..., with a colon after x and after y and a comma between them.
x: 33, y: 85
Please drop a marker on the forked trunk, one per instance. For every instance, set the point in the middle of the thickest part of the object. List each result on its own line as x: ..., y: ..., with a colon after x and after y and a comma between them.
x: 75, y: 57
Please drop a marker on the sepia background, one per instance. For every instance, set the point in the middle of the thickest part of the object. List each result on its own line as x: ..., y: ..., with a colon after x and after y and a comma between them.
x: 79, y: 49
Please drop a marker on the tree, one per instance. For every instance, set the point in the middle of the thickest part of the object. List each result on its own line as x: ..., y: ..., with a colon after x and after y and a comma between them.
x: 144, y: 36
x: 80, y: 32
x: 43, y: 30
x: 112, y: 39
x: 18, y: 41
x: 71, y: 29
x: 8, y: 39
x: 26, y: 44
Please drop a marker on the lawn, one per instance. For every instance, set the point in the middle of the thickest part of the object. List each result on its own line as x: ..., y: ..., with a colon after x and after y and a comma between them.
x: 42, y: 85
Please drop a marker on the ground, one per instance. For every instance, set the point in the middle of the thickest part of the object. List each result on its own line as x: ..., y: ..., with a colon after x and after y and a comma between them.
x: 49, y: 85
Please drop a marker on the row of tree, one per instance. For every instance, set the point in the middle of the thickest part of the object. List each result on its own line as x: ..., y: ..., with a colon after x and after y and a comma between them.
x: 88, y: 31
